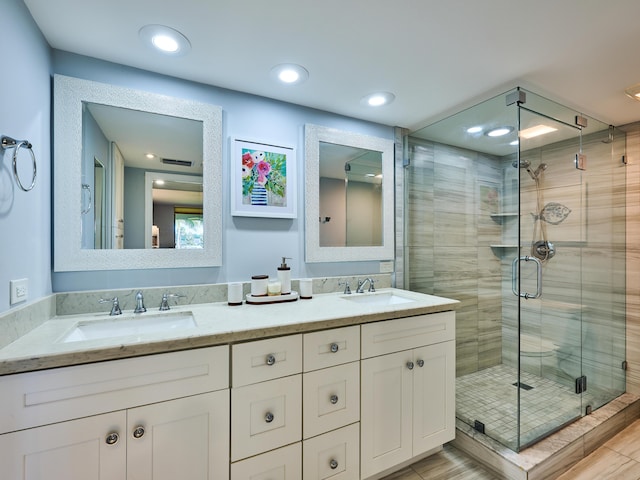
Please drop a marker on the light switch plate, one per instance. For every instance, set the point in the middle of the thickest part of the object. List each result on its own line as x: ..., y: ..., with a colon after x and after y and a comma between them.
x: 19, y: 290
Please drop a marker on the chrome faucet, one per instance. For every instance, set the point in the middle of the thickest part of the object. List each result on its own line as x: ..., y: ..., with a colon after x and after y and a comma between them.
x: 347, y: 288
x: 164, y: 303
x: 140, y: 308
x: 115, y: 305
x: 362, y: 283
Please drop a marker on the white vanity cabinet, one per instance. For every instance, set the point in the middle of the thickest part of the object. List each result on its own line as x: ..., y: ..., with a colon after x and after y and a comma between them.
x: 158, y: 417
x: 331, y: 398
x: 266, y: 409
x: 407, y: 388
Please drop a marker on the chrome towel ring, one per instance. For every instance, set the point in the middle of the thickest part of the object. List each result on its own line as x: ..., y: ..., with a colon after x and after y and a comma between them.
x: 8, y: 142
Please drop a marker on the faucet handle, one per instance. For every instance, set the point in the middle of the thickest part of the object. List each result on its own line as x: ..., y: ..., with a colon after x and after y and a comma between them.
x: 347, y: 288
x: 140, y: 308
x: 372, y: 288
x: 164, y: 303
x: 115, y: 305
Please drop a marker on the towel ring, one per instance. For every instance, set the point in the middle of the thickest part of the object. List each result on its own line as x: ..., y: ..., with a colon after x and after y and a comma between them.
x: 8, y: 142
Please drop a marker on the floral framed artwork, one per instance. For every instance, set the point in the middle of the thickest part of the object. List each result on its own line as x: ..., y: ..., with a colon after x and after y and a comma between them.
x: 263, y: 180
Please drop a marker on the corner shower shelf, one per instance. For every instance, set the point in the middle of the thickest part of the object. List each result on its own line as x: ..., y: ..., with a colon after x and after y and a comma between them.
x: 504, y: 246
x: 499, y: 217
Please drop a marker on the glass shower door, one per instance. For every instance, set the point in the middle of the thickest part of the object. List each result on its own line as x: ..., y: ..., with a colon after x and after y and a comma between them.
x: 547, y: 274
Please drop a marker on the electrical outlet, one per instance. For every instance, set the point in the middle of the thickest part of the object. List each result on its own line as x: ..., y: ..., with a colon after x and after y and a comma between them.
x: 19, y: 290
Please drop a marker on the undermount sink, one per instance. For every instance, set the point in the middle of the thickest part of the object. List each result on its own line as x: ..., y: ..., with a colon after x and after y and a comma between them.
x: 378, y: 298
x: 139, y: 325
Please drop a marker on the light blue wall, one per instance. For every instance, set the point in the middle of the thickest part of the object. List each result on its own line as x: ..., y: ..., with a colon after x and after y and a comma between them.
x: 250, y: 245
x: 25, y: 218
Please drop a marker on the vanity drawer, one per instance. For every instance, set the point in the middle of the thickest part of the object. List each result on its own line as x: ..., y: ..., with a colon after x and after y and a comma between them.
x: 331, y: 347
x: 282, y: 464
x: 334, y: 455
x: 331, y: 398
x: 265, y: 416
x: 49, y: 396
x: 262, y: 360
x: 390, y: 336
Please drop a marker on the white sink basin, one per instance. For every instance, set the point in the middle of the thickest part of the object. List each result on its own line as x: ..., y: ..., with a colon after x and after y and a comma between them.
x: 138, y: 325
x: 378, y: 298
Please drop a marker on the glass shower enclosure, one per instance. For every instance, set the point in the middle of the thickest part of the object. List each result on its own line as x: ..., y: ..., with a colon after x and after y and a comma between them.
x: 516, y: 207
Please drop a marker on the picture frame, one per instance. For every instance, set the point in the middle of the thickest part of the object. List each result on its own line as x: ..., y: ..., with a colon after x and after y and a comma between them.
x: 263, y: 179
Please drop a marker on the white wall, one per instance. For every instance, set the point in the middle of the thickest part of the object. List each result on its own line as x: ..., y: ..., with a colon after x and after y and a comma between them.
x: 25, y: 225
x: 250, y: 245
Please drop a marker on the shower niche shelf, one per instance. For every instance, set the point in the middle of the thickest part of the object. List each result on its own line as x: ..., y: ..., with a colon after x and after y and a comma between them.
x: 501, y: 217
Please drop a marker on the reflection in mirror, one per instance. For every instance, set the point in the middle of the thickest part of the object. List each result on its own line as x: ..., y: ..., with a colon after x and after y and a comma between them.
x: 134, y: 143
x: 348, y: 197
x: 108, y: 140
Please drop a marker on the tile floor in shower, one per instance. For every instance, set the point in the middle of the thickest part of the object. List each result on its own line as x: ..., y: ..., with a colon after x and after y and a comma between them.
x: 490, y: 396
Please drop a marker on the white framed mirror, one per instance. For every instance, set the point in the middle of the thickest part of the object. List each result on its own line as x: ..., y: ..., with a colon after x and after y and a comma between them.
x: 349, y: 199
x: 183, y: 140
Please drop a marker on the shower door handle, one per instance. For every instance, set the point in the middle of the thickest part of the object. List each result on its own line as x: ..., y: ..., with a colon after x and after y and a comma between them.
x: 514, y: 277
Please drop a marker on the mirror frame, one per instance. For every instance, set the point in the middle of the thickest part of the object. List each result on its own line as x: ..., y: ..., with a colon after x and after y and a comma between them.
x: 68, y: 96
x: 315, y: 134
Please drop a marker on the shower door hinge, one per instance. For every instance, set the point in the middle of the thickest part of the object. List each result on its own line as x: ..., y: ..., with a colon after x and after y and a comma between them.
x: 625, y: 365
x: 517, y: 96
x: 581, y: 161
x: 581, y: 384
x: 406, y: 161
x: 581, y: 121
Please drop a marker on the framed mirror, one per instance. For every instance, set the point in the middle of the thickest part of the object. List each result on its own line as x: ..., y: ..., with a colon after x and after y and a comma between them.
x: 349, y: 200
x: 109, y: 141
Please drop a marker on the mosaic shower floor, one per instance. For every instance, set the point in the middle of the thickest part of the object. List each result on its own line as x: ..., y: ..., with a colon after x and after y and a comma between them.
x: 490, y: 396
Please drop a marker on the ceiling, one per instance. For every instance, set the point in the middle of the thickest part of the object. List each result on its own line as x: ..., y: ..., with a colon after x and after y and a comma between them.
x: 436, y: 56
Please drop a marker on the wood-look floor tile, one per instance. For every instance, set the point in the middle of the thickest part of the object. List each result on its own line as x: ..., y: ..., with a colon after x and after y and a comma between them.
x: 404, y: 474
x: 626, y: 442
x: 604, y: 464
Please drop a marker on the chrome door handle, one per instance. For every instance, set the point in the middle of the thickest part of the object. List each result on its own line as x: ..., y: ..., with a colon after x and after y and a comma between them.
x: 514, y: 277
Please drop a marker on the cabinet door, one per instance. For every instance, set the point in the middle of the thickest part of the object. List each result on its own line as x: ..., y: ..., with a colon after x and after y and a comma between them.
x: 386, y: 398
x: 183, y: 438
x: 265, y: 416
x: 73, y: 450
x: 434, y: 396
x: 282, y: 464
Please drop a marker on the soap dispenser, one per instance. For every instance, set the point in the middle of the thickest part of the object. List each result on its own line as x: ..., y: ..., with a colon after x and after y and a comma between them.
x: 284, y: 275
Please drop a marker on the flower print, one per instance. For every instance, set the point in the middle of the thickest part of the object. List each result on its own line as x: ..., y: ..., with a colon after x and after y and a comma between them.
x: 246, y: 171
x: 263, y: 170
x: 247, y: 161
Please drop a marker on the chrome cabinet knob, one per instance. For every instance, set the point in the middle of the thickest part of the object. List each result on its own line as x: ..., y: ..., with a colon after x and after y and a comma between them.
x: 420, y: 363
x: 271, y: 359
x: 138, y: 432
x: 410, y: 365
x: 333, y: 399
x: 112, y: 438
x: 334, y: 347
x: 268, y: 417
x: 333, y: 464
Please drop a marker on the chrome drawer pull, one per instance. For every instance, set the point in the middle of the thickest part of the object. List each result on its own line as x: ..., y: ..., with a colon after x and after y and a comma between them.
x: 420, y: 363
x: 112, y: 438
x: 138, y: 432
x: 410, y: 365
x: 334, y: 347
x: 268, y: 417
x: 333, y: 464
x: 271, y: 359
x: 333, y: 399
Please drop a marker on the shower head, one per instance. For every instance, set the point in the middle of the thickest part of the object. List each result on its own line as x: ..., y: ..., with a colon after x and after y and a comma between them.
x: 526, y: 164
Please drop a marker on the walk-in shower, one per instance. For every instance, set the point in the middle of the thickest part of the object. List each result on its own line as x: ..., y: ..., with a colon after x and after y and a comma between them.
x: 527, y: 230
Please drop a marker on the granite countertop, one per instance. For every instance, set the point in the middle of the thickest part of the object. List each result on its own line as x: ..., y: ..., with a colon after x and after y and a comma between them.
x: 217, y: 323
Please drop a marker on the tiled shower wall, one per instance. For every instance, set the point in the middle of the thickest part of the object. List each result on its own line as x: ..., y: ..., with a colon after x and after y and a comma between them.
x: 448, y: 240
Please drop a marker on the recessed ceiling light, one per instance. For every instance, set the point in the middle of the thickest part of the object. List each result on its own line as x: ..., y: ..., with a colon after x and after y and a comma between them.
x: 159, y: 182
x: 499, y: 132
x: 476, y: 129
x: 378, y: 99
x: 165, y: 40
x: 149, y: 155
x: 290, y: 73
x: 634, y: 92
x: 514, y: 143
x: 536, y: 131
